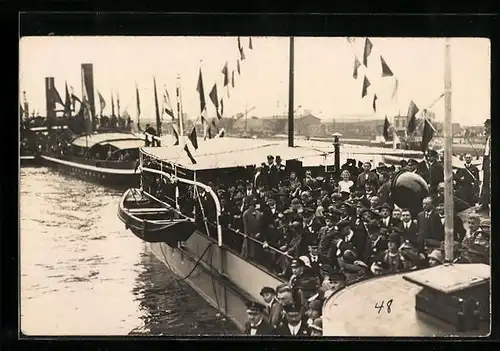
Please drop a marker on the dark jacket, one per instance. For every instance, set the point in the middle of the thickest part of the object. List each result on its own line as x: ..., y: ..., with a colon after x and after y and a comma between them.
x: 264, y: 328
x: 429, y: 228
x: 283, y: 330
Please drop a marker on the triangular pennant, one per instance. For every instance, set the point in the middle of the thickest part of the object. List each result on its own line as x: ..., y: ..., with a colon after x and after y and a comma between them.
x: 386, y: 71
x: 226, y: 74
x: 232, y: 78
x: 374, y: 102
x: 427, y: 135
x: 385, y: 131
x: 412, y: 121
x: 193, y: 137
x: 250, y: 46
x: 357, y: 64
x: 189, y: 154
x: 238, y: 66
x: 366, y: 84
x: 367, y: 51
x: 215, y: 100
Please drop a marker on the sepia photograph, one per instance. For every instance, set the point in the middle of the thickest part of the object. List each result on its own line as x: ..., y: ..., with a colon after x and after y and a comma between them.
x: 254, y: 186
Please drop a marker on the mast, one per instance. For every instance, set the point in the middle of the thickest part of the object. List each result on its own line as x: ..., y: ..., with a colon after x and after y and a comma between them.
x: 448, y: 142
x: 179, y: 112
x: 158, y: 120
x: 290, y: 94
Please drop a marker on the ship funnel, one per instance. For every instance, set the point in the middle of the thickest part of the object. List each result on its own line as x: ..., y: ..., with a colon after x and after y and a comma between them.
x: 88, y: 88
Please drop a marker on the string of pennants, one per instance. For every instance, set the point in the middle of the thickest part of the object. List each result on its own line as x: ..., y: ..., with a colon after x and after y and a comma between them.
x: 385, y: 72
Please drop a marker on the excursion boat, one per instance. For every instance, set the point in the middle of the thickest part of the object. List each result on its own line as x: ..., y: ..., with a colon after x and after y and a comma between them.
x: 107, y: 158
x: 178, y: 215
x: 32, y: 141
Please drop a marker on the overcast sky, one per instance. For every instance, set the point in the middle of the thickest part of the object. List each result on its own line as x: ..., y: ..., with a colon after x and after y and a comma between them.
x: 323, y: 73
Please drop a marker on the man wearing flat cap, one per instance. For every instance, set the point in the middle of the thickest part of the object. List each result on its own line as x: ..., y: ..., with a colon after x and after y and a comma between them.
x: 257, y: 323
x: 302, y: 280
x: 389, y: 261
x: 312, y: 225
x: 273, y: 308
x: 295, y: 323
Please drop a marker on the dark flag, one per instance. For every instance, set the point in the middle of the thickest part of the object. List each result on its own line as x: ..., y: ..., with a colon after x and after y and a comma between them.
x: 357, y: 64
x: 222, y: 107
x: 176, y: 134
x: 250, y: 46
x: 215, y: 99
x: 240, y: 48
x: 102, y: 103
x: 138, y: 101
x: 55, y: 96
x: 367, y: 51
x: 226, y: 74
x: 67, y: 101
x: 386, y: 71
x: 385, y: 132
x: 167, y: 105
x: 209, y: 132
x: 427, y: 135
x: 232, y: 78
x: 189, y: 154
x: 238, y: 66
x: 201, y: 92
x: 193, y: 137
x: 375, y: 103
x: 112, y: 105
x: 412, y: 120
x: 157, y: 110
x: 366, y: 84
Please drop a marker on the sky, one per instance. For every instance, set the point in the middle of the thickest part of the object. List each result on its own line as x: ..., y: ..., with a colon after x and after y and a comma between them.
x: 323, y: 71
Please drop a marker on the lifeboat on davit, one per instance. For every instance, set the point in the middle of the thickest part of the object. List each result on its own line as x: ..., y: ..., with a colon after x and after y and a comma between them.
x: 152, y: 221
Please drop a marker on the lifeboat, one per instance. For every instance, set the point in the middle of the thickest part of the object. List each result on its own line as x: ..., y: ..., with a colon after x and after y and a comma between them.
x: 152, y: 221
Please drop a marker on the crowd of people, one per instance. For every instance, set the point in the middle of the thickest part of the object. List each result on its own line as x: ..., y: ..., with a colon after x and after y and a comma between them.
x: 320, y: 234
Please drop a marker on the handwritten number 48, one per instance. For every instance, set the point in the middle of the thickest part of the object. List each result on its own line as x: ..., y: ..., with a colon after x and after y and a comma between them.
x: 381, y: 306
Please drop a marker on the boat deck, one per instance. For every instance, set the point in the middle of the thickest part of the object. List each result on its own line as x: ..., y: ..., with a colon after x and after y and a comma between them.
x: 353, y: 312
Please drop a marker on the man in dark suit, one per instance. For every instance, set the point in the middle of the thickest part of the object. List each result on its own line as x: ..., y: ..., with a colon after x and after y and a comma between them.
x: 294, y: 323
x: 409, y: 228
x: 256, y: 323
x: 280, y: 169
x: 367, y: 176
x: 430, y: 229
x: 273, y: 308
x: 252, y: 223
x: 431, y: 170
x: 467, y: 179
x: 458, y: 224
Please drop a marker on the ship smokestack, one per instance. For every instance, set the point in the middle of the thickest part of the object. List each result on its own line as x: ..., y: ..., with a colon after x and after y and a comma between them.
x: 88, y: 88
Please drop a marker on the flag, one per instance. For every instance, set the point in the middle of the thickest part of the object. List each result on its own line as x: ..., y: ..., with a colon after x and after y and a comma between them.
x: 357, y: 64
x: 193, y: 137
x: 226, y: 74
x: 215, y: 99
x: 375, y: 102
x: 386, y: 71
x: 367, y: 51
x: 232, y: 78
x: 55, y: 96
x: 118, y: 103
x: 138, y: 101
x: 201, y: 92
x: 250, y: 46
x: 175, y: 131
x: 157, y: 109
x: 112, y: 105
x: 209, y: 132
x: 222, y: 107
x: 412, y: 121
x: 189, y: 154
x: 427, y: 135
x: 238, y: 66
x: 240, y: 48
x: 86, y: 112
x: 167, y: 106
x: 67, y: 101
x: 102, y: 103
x: 366, y: 84
x: 385, y: 131
x: 395, y: 90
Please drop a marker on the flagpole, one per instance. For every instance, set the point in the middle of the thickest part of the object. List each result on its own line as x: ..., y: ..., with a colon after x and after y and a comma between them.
x: 290, y: 93
x: 448, y: 173
x: 179, y: 112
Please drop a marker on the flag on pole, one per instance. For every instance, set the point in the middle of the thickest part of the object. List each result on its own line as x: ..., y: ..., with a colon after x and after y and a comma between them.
x: 386, y: 71
x: 357, y: 64
x: 67, y: 101
x: 55, y: 96
x: 102, y: 103
x: 366, y: 84
x: 232, y: 78
x: 201, y: 92
x: 375, y: 103
x: 427, y: 135
x: 367, y: 51
x: 138, y: 101
x: 226, y: 74
x: 240, y: 48
x: 222, y: 107
x: 193, y: 138
x: 175, y: 131
x: 395, y: 89
x: 167, y: 106
x: 215, y: 99
x: 238, y: 66
x: 385, y: 131
x: 86, y: 112
x: 118, y: 102
x: 112, y: 105
x: 250, y: 46
x: 412, y: 120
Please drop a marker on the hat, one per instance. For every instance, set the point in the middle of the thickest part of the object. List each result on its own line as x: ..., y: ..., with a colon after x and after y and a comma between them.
x: 437, y: 255
x: 305, y: 260
x: 349, y: 256
x: 295, y: 224
x: 432, y: 152
x: 292, y: 307
x: 412, y: 161
x: 297, y: 263
x: 295, y: 201
x: 255, y: 307
x: 267, y: 290
x: 270, y: 157
x: 278, y: 158
x: 365, y: 209
x: 381, y: 165
x: 313, y: 245
x: 386, y: 205
x: 486, y: 222
x: 316, y: 305
x: 335, y: 275
x: 343, y: 224
x: 394, y: 238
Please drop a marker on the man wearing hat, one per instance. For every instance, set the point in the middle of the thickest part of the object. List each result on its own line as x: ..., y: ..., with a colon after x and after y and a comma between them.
x: 273, y: 308
x: 269, y: 171
x: 294, y: 323
x: 467, y: 179
x: 389, y: 261
x: 256, y: 323
x: 375, y: 244
x: 350, y: 240
x: 302, y: 280
x: 367, y: 176
x: 252, y: 224
x: 431, y: 170
x: 385, y: 212
x: 412, y: 166
x: 280, y: 169
x: 312, y: 225
x: 333, y: 281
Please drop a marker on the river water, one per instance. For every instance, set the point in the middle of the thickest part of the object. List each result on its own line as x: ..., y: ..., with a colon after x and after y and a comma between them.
x: 82, y: 273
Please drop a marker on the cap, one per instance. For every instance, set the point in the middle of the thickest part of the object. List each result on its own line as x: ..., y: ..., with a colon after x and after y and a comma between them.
x: 305, y: 260
x: 267, y: 290
x: 278, y: 157
x: 292, y: 307
x: 386, y: 205
x: 437, y: 255
x: 432, y: 152
x: 297, y: 263
x: 349, y: 256
x: 295, y: 201
x: 270, y: 157
x: 394, y: 238
x: 255, y: 307
x: 485, y: 223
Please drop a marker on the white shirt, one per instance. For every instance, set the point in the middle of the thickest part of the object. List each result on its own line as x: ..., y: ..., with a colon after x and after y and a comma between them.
x: 253, y: 328
x: 386, y: 220
x: 294, y: 330
x: 345, y: 186
x: 314, y: 259
x: 407, y: 224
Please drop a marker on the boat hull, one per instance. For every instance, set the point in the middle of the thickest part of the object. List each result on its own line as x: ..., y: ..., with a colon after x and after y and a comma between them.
x: 222, y: 278
x: 30, y: 160
x: 120, y: 178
